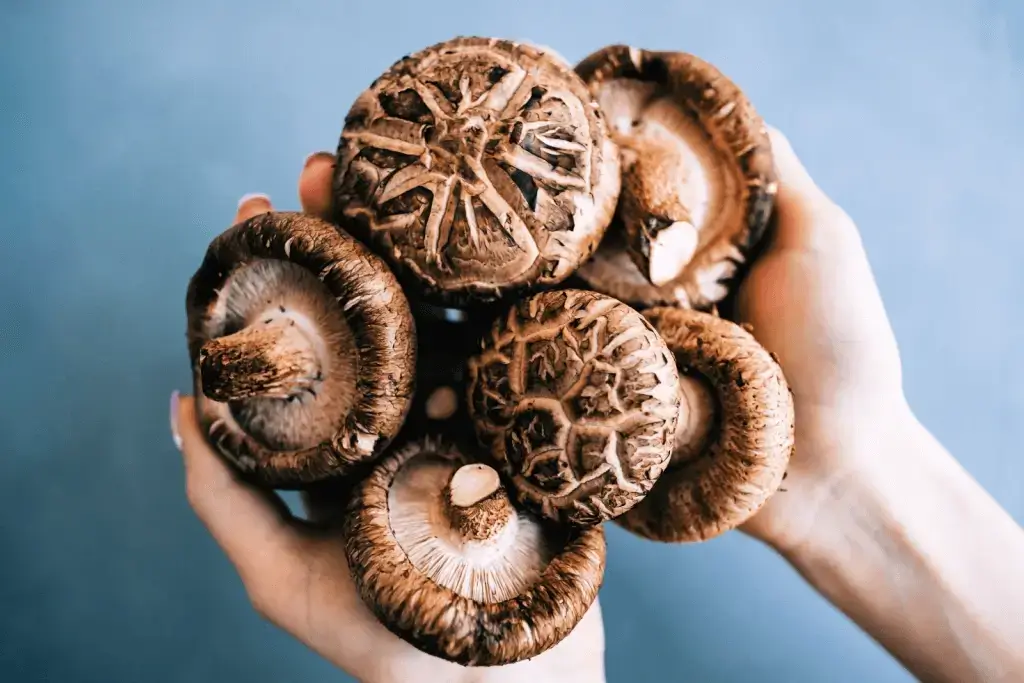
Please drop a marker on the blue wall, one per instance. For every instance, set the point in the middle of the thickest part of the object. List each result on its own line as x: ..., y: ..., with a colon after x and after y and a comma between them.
x: 127, y: 134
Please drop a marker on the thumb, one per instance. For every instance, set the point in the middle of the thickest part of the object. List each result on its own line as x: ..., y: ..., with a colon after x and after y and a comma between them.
x: 806, y: 218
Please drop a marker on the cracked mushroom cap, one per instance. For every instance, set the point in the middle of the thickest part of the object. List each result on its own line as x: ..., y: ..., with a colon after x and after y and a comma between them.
x: 734, y: 437
x: 477, y: 167
x: 303, y: 349
x: 445, y: 560
x: 698, y: 176
x: 577, y: 397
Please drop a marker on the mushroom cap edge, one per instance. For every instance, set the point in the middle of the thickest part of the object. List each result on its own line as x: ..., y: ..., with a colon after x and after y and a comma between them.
x: 386, y: 375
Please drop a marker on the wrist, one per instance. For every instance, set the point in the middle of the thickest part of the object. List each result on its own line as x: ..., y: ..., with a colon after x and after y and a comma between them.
x: 915, y: 552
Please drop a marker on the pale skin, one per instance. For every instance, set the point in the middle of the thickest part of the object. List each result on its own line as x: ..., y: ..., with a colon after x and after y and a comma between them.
x: 876, y: 514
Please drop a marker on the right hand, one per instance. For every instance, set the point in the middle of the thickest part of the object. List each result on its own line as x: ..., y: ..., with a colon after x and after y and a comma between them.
x: 812, y: 300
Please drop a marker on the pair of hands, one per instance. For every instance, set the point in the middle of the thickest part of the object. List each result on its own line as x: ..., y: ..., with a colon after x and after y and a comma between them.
x: 810, y: 298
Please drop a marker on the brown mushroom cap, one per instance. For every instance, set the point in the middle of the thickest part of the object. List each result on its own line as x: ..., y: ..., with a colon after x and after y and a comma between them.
x: 303, y: 349
x: 735, y: 433
x: 477, y: 167
x: 446, y: 562
x: 577, y: 396
x: 698, y: 176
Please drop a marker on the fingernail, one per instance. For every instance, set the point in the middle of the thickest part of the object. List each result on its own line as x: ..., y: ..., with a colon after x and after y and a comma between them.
x: 175, y: 399
x: 251, y: 196
x: 315, y: 156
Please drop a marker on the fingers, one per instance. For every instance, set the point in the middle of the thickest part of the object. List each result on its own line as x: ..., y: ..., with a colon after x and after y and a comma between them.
x: 314, y: 190
x: 806, y: 219
x: 252, y: 205
x: 250, y: 525
x: 315, y: 184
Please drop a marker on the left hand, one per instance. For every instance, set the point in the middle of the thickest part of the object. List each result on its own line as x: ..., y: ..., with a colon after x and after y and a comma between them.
x: 295, y: 572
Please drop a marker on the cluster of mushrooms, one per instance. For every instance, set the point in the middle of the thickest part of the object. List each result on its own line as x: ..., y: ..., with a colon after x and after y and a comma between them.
x: 506, y: 334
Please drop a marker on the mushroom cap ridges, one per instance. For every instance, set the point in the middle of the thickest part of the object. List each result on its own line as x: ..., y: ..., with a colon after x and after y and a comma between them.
x: 477, y: 167
x: 733, y: 127
x: 747, y: 457
x: 374, y: 309
x: 443, y: 623
x: 577, y: 396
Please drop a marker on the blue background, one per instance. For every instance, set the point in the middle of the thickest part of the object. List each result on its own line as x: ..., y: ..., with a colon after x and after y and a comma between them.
x: 129, y: 130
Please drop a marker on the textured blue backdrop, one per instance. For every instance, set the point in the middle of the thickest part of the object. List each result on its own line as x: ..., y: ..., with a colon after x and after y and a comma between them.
x: 128, y: 132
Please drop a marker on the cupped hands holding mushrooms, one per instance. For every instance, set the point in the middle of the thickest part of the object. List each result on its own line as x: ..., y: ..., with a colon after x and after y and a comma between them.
x: 525, y: 299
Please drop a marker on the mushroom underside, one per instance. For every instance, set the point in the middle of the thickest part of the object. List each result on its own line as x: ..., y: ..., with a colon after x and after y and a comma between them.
x: 308, y: 345
x: 475, y: 593
x: 728, y: 465
x: 271, y: 295
x: 698, y: 176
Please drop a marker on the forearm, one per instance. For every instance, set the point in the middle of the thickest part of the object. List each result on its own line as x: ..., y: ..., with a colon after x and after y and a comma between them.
x: 915, y: 552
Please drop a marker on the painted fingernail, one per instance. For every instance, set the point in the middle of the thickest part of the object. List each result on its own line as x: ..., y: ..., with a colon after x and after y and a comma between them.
x: 175, y: 399
x: 318, y: 156
x: 253, y: 196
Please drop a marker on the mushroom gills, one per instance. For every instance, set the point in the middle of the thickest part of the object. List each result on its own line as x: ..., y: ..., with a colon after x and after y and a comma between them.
x: 679, y: 190
x: 734, y: 435
x: 458, y: 527
x: 286, y: 361
x: 443, y: 558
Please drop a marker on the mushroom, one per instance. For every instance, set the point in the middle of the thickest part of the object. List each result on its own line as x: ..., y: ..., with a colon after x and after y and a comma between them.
x: 698, y: 176
x: 445, y: 560
x: 303, y: 349
x: 577, y: 397
x: 612, y: 271
x: 477, y: 167
x: 734, y: 437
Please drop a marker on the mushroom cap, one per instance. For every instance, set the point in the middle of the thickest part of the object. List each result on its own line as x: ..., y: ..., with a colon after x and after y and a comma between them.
x: 411, y: 566
x: 577, y: 397
x: 743, y: 461
x: 699, y: 179
x: 477, y: 167
x: 301, y: 269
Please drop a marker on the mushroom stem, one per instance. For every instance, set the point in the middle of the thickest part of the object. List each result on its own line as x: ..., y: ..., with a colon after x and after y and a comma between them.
x: 272, y: 358
x: 698, y: 416
x: 477, y: 503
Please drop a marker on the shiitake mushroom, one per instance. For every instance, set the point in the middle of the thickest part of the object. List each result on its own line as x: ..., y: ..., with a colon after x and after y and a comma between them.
x: 446, y: 560
x: 698, y: 178
x: 477, y: 167
x: 734, y: 437
x: 576, y: 396
x: 303, y: 349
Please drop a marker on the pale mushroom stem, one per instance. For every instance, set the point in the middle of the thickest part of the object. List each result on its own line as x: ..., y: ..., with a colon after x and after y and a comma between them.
x: 477, y: 503
x: 272, y: 359
x: 698, y: 413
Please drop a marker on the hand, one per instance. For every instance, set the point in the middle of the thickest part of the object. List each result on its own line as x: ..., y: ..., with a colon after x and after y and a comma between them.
x: 811, y: 299
x: 295, y: 571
